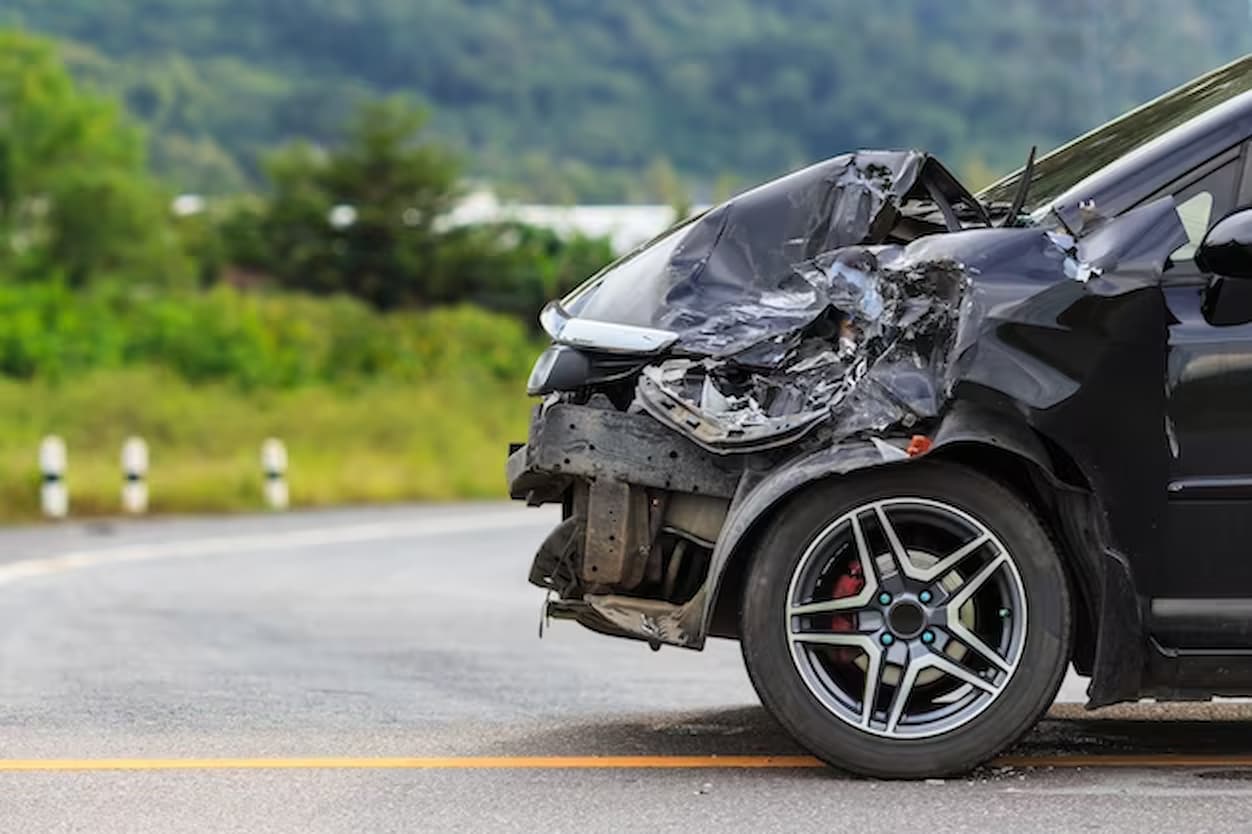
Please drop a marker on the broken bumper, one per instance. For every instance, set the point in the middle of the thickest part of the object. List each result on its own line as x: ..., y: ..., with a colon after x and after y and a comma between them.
x: 572, y: 441
x: 621, y: 478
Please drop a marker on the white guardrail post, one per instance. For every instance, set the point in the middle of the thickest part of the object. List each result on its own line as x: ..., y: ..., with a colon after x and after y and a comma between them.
x: 274, y: 465
x: 134, y: 475
x: 54, y: 497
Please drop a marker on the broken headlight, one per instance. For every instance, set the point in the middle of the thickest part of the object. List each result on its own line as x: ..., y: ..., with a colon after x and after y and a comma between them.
x: 563, y: 368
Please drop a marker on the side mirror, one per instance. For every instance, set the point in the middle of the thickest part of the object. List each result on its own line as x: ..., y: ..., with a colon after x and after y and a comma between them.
x: 1227, y: 248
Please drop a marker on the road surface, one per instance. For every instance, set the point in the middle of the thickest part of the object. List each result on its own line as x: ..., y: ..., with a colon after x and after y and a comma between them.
x: 380, y: 671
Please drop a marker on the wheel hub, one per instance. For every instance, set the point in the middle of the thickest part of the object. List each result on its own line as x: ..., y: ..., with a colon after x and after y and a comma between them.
x: 907, y: 619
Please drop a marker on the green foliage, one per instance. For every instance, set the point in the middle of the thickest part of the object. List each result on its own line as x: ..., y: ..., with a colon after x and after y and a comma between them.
x: 389, y: 189
x: 273, y: 340
x: 364, y: 218
x: 383, y: 440
x: 514, y: 268
x: 574, y: 100
x: 75, y: 198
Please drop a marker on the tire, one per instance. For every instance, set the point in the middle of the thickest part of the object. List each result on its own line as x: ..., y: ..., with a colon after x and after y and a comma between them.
x: 819, y: 691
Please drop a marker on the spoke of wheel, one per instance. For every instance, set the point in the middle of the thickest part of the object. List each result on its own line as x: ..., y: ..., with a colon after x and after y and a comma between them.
x: 873, y: 669
x: 962, y: 596
x: 905, y: 564
x: 898, y: 554
x: 857, y: 600
x: 829, y: 606
x: 900, y: 698
x: 971, y: 586
x: 826, y: 638
x: 948, y: 562
x: 946, y: 664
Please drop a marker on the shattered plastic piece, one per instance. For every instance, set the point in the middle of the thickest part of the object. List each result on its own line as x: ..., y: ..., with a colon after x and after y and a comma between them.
x: 719, y: 404
x: 888, y: 452
x: 876, y: 354
x: 1086, y: 272
x: 919, y: 444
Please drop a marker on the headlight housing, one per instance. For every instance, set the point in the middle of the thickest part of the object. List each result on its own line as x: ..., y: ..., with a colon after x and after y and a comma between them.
x: 564, y: 368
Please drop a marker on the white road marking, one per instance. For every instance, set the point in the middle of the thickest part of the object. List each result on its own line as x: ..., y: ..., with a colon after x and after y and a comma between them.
x: 268, y: 542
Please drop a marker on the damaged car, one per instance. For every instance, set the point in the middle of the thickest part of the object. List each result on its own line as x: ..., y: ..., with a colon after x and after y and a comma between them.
x: 920, y: 449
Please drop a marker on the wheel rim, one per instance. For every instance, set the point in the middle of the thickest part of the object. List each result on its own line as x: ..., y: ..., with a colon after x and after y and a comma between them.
x: 906, y: 617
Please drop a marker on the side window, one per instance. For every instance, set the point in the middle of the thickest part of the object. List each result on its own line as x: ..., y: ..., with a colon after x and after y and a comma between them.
x: 1196, y: 212
x: 1201, y: 203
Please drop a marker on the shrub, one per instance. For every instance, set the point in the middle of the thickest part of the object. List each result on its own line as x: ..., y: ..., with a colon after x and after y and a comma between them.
x: 253, y: 339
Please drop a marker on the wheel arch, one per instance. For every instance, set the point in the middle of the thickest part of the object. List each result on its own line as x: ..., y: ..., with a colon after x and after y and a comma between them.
x: 1039, y: 472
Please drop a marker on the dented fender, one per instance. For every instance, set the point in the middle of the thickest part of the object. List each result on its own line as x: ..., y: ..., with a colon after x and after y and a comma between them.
x: 760, y: 493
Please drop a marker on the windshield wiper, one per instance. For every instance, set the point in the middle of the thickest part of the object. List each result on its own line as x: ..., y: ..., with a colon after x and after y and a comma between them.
x: 1023, y: 191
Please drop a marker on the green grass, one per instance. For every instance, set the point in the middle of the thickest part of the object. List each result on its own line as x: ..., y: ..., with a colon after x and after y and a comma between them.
x: 440, y: 438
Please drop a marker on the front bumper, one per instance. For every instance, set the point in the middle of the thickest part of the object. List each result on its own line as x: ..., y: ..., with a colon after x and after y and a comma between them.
x: 614, y: 473
x: 567, y: 442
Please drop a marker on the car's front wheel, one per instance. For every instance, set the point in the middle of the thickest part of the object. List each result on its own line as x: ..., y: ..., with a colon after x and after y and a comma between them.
x: 907, y: 622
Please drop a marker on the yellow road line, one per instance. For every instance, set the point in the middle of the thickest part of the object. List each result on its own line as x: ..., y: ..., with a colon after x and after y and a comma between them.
x: 575, y: 763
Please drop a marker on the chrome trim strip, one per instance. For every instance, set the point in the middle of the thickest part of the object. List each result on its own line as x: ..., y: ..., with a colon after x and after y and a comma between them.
x: 1211, y: 487
x: 603, y: 336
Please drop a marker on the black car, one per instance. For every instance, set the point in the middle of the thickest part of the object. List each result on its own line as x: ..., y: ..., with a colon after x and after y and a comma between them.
x: 918, y: 449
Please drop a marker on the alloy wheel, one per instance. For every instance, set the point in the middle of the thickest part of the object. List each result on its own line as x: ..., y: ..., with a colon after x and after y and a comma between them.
x: 906, y: 617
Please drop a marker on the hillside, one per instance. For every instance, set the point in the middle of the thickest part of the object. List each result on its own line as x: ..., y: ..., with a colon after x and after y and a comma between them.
x: 573, y: 99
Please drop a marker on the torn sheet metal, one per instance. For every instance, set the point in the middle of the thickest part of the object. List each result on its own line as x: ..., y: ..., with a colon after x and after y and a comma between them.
x: 896, y: 327
x: 725, y: 281
x: 874, y: 354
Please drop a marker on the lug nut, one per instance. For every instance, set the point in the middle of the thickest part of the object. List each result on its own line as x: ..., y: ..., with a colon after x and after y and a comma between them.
x: 1004, y: 613
x: 925, y: 596
x: 928, y: 636
x: 884, y: 598
x: 887, y: 639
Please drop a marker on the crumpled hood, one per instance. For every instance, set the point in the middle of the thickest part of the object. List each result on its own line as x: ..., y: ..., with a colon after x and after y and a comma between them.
x: 796, y: 304
x: 726, y: 280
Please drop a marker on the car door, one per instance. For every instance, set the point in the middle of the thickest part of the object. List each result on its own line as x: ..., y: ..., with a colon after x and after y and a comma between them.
x: 1202, y: 591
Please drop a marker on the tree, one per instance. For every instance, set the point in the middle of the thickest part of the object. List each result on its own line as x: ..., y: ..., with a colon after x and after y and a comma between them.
x: 370, y: 218
x: 75, y: 198
x: 362, y: 218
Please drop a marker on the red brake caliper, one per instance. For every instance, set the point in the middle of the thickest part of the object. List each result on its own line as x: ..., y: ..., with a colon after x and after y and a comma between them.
x: 849, y: 584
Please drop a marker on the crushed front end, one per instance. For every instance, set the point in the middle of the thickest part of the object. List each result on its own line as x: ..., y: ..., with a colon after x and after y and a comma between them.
x: 642, y: 509
x: 859, y: 312
x: 770, y: 327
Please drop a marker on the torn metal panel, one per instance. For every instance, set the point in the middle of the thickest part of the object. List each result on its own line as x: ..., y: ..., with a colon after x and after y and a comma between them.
x: 568, y: 441
x: 725, y: 281
x: 556, y: 565
x: 899, y: 326
x: 652, y: 620
x: 619, y: 534
x: 875, y: 355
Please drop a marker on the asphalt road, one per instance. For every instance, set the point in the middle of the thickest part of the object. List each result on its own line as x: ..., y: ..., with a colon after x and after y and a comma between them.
x: 379, y: 670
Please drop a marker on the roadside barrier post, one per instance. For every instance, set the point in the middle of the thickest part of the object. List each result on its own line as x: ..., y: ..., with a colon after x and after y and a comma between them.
x: 134, y: 475
x: 53, y: 495
x: 274, y: 466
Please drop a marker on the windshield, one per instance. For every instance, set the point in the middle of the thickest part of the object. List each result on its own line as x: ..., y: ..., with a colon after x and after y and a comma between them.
x: 627, y: 295
x: 1071, y: 163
